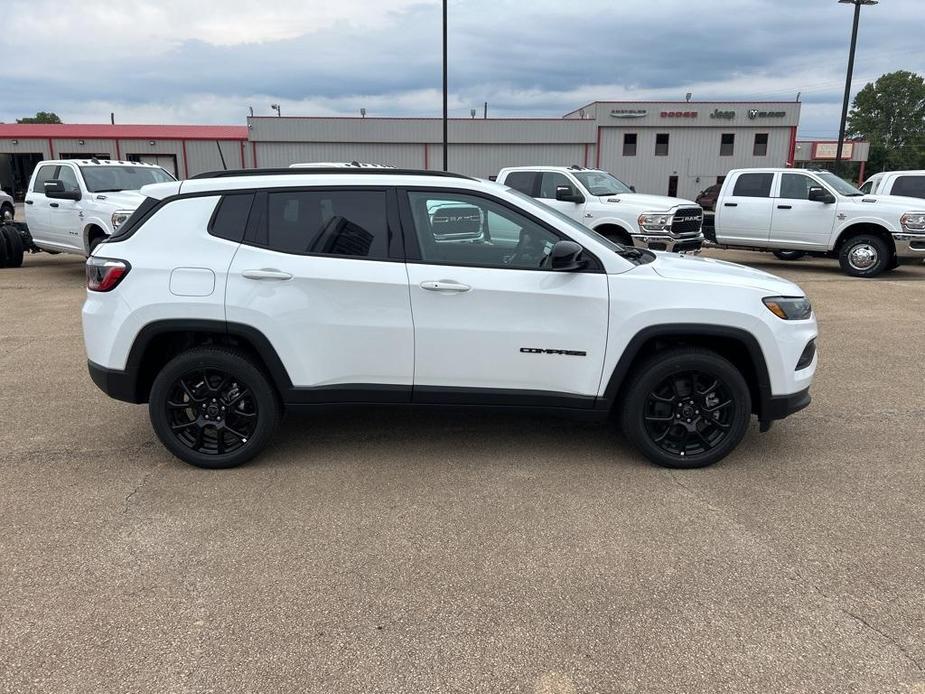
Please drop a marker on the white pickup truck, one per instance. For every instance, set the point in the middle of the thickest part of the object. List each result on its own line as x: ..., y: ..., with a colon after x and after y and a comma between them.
x: 601, y: 201
x: 74, y: 204
x: 794, y: 212
x: 908, y: 183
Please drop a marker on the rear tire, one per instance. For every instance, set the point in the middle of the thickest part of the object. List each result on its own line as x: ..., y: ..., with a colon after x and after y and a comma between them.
x: 788, y: 255
x: 686, y: 408
x: 864, y: 255
x: 5, y: 250
x: 212, y: 407
x: 14, y: 247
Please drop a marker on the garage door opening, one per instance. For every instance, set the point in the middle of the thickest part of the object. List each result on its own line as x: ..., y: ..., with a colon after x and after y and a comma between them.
x: 15, y: 172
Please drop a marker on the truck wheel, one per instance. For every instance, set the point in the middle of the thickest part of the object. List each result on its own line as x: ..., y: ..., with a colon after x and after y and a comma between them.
x: 94, y: 242
x: 864, y: 255
x: 5, y: 249
x: 686, y: 408
x: 788, y: 255
x: 7, y: 212
x: 14, y: 247
x: 213, y: 408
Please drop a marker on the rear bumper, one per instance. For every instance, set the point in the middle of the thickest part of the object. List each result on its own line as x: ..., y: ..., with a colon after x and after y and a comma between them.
x: 120, y: 385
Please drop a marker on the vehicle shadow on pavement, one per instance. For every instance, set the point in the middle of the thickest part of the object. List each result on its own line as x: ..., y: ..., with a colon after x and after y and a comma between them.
x: 465, y: 435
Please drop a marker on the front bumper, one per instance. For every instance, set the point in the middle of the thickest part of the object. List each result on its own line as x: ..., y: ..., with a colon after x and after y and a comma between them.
x: 682, y: 243
x: 909, y: 245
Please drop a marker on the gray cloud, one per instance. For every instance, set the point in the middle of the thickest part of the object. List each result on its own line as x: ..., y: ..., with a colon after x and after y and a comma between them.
x: 544, y: 58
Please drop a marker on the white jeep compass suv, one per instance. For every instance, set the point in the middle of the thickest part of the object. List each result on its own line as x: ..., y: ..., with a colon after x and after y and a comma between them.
x: 231, y: 296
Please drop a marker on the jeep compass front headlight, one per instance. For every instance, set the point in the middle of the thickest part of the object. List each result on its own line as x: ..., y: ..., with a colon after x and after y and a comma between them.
x: 913, y: 221
x: 654, y: 221
x: 120, y: 217
x: 789, y: 307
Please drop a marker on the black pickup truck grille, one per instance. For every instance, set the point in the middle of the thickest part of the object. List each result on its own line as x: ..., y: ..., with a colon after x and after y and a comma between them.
x: 687, y: 220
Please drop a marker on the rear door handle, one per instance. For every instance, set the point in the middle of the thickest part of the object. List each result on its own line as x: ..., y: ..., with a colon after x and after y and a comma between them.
x: 266, y: 274
x: 54, y: 204
x: 445, y: 286
x: 785, y: 207
x: 730, y: 204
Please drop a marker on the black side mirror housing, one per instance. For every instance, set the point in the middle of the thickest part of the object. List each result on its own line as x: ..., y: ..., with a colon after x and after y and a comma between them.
x: 820, y: 194
x: 568, y: 194
x: 633, y: 188
x: 55, y: 189
x: 565, y: 256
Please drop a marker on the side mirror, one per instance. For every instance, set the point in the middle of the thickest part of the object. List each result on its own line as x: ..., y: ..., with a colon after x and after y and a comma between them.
x: 565, y: 256
x: 820, y: 194
x: 55, y: 189
x: 633, y: 188
x: 568, y: 194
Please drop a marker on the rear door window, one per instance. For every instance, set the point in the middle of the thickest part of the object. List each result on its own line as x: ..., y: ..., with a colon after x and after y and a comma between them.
x: 753, y: 185
x: 230, y: 218
x: 348, y: 223
x: 524, y: 181
x: 913, y: 186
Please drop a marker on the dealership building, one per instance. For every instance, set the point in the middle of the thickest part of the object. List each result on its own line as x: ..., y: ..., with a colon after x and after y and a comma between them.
x: 663, y: 147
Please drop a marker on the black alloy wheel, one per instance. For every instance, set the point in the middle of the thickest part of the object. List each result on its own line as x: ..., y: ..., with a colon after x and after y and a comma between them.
x: 686, y: 408
x: 213, y: 408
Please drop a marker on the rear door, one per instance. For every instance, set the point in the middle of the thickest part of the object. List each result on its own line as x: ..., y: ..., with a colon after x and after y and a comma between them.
x: 320, y: 275
x: 37, y: 210
x: 744, y: 214
x: 492, y: 323
x: 799, y: 222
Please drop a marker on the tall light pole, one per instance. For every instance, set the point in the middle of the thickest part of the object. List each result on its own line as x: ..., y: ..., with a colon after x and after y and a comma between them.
x: 854, y: 41
x: 445, y: 129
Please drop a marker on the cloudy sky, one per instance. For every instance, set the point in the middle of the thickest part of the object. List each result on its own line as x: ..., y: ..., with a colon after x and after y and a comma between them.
x: 207, y: 61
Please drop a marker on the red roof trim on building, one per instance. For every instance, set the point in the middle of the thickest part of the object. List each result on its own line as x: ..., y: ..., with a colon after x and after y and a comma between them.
x: 93, y: 131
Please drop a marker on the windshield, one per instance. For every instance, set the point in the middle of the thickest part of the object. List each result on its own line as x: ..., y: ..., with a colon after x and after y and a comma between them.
x: 111, y: 179
x: 840, y: 185
x: 568, y: 221
x: 601, y: 183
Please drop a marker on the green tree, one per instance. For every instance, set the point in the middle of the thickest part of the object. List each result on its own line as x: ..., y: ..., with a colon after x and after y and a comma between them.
x: 40, y: 117
x: 890, y: 114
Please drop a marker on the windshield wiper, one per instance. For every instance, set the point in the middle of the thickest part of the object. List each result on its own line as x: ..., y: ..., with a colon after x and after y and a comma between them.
x: 109, y: 190
x: 631, y: 253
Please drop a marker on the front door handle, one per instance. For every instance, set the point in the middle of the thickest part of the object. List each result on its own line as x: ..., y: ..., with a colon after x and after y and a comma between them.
x: 266, y: 274
x: 54, y: 204
x: 730, y: 204
x: 445, y: 286
x: 785, y: 207
x: 30, y: 202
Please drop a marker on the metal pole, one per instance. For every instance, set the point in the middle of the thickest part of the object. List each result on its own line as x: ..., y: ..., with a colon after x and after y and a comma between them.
x: 445, y: 129
x: 844, y: 111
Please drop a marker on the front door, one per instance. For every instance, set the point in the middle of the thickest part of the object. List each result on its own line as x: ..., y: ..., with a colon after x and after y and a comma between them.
x: 316, y: 276
x: 65, y: 216
x: 38, y: 212
x: 491, y: 322
x: 798, y: 221
x: 549, y: 181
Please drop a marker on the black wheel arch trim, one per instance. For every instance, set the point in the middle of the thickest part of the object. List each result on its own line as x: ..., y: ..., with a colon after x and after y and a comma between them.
x: 692, y: 330
x: 127, y: 385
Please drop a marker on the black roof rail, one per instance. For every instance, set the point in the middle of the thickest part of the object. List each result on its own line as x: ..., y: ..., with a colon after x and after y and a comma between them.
x: 235, y: 173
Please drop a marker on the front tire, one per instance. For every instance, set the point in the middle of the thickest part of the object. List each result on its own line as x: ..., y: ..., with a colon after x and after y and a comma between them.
x: 686, y: 408
x: 864, y: 255
x: 212, y: 407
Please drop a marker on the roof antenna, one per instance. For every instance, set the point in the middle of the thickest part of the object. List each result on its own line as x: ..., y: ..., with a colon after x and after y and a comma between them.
x: 219, y: 145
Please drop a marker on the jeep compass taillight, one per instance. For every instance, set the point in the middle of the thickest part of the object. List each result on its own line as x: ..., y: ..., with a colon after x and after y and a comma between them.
x: 104, y: 274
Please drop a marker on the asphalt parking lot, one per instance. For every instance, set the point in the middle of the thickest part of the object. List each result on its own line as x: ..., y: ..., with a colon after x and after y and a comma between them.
x: 403, y: 551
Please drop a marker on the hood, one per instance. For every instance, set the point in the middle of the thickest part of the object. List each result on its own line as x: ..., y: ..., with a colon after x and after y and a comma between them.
x: 907, y: 204
x: 652, y: 203
x: 697, y: 269
x: 123, y: 200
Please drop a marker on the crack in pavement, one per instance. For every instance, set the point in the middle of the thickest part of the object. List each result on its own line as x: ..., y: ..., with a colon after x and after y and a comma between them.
x: 830, y: 600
